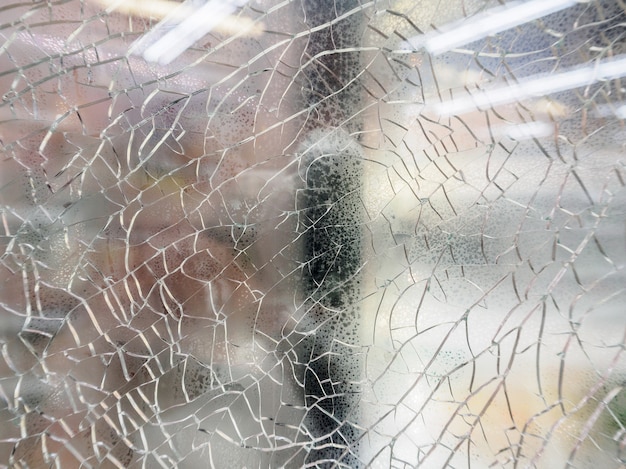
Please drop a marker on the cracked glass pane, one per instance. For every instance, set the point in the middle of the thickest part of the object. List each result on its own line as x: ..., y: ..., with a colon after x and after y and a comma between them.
x: 330, y: 233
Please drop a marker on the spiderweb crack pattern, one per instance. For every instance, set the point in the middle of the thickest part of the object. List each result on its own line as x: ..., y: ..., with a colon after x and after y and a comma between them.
x: 323, y: 242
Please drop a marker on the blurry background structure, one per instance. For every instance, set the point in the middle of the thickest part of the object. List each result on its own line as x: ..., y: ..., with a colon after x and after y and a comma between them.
x: 324, y: 233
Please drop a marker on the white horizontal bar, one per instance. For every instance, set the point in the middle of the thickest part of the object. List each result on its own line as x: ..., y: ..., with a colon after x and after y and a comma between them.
x: 536, y: 87
x: 485, y: 24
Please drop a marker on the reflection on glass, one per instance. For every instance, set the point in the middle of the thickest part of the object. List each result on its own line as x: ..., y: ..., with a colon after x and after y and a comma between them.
x: 311, y: 236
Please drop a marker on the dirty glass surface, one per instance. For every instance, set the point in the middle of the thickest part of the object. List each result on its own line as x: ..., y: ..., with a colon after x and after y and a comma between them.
x: 324, y: 233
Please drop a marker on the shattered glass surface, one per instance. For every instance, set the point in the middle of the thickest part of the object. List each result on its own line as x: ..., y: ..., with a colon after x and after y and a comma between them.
x: 324, y: 237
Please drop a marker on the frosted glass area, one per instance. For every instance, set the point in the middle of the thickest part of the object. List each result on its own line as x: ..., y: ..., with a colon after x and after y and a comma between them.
x: 327, y: 234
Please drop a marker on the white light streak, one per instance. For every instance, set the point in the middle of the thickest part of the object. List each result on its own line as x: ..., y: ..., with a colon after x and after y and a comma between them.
x: 617, y: 109
x: 173, y: 36
x: 534, y: 88
x: 485, y: 24
x: 528, y: 130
